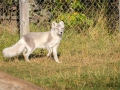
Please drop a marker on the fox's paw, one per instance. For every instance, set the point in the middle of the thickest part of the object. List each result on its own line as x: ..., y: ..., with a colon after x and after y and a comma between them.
x: 48, y: 56
x: 58, y: 62
x: 27, y: 61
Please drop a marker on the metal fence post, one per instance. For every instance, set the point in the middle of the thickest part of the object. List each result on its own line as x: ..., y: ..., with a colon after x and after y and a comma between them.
x: 24, y: 17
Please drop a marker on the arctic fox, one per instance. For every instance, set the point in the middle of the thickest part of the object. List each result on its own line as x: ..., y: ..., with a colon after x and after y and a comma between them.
x: 29, y: 42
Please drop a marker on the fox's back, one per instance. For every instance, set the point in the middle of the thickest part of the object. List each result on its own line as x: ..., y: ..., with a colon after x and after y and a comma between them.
x: 39, y: 39
x: 36, y: 38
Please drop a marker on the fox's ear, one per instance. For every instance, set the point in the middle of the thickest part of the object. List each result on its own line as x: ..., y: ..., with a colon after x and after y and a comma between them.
x: 54, y: 24
x: 61, y: 23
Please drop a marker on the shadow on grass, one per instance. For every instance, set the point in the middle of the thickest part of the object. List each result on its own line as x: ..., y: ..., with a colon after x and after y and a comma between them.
x: 21, y: 57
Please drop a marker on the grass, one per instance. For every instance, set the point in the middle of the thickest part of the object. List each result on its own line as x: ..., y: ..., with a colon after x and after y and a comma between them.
x: 90, y: 61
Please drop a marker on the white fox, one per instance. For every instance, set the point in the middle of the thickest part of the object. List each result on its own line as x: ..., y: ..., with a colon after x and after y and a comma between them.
x: 29, y: 42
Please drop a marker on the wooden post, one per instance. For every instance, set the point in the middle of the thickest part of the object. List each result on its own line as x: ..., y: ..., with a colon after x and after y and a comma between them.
x: 119, y: 15
x: 24, y: 17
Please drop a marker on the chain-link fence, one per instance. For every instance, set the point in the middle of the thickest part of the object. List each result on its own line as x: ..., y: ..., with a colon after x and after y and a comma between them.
x: 9, y: 14
x: 82, y: 13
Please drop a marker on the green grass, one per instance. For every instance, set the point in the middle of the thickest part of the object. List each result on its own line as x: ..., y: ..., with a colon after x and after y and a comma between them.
x: 90, y: 61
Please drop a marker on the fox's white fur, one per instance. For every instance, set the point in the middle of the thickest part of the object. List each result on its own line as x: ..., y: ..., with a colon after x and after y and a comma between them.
x: 29, y: 42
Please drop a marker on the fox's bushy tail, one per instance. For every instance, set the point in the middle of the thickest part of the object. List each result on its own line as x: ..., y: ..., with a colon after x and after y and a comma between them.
x: 15, y: 49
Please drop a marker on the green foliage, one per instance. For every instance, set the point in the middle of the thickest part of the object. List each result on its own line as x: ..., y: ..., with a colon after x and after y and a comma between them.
x: 74, y: 18
x: 69, y: 4
x: 77, y: 5
x: 69, y: 12
x: 6, y: 2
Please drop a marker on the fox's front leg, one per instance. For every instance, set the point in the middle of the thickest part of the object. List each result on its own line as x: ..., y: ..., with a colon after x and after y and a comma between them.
x: 49, y: 50
x: 55, y: 54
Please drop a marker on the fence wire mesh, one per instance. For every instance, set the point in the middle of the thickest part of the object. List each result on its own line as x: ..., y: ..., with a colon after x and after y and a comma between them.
x: 82, y: 13
x: 9, y: 14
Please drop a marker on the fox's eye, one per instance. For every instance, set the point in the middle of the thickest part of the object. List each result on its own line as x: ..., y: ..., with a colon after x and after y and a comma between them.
x: 57, y: 29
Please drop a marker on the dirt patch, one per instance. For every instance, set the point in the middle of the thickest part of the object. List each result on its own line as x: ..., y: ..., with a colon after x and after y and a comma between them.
x: 8, y: 82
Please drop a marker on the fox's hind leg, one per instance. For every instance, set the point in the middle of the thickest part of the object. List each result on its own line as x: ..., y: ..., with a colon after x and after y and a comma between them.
x: 26, y: 54
x: 24, y: 51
